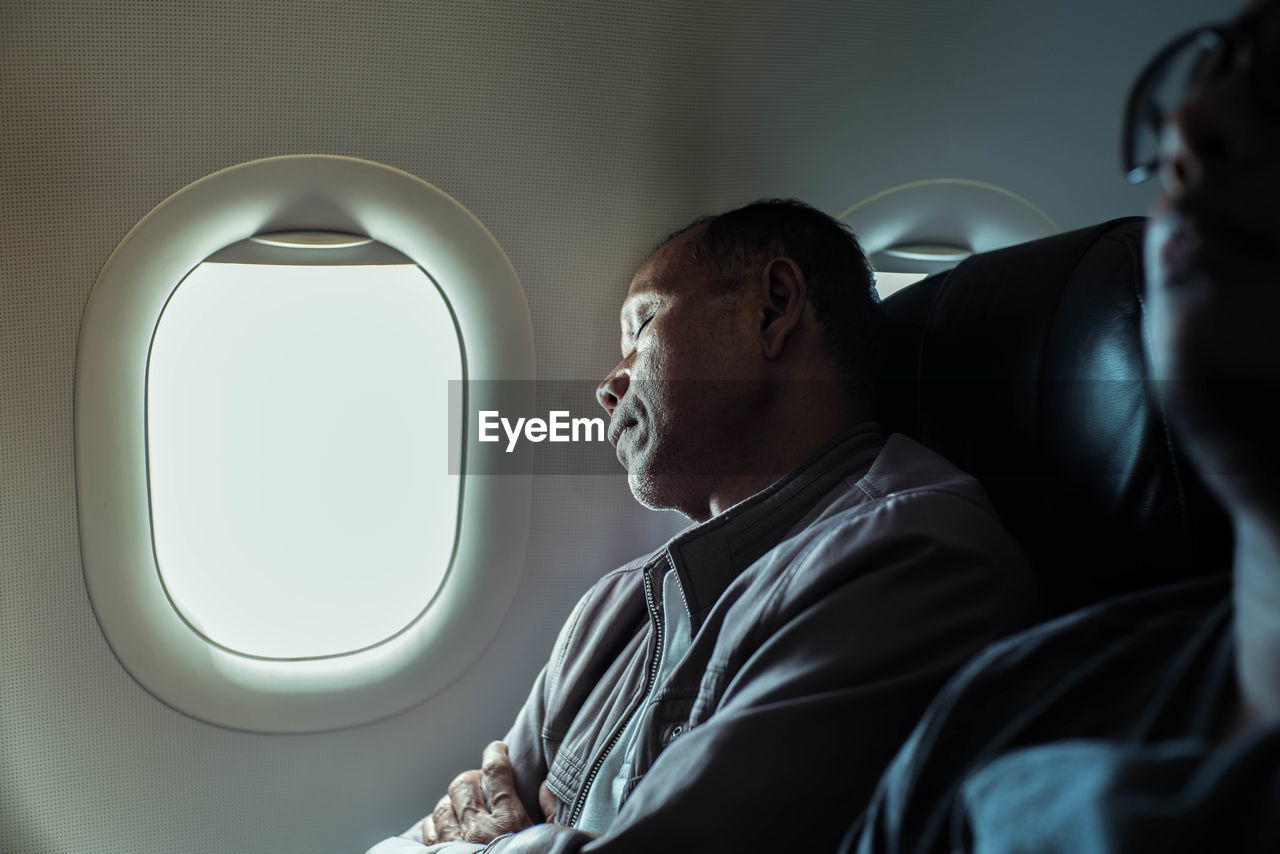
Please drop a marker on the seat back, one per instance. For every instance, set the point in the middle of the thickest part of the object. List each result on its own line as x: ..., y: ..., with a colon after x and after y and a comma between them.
x: 1025, y: 367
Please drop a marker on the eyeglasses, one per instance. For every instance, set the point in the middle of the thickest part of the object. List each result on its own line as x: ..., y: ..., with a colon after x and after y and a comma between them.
x: 1193, y: 59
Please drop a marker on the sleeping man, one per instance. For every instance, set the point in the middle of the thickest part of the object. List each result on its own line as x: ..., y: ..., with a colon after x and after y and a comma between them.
x: 746, y: 683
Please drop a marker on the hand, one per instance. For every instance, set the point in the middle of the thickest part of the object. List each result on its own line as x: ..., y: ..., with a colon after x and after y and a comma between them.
x: 463, y: 814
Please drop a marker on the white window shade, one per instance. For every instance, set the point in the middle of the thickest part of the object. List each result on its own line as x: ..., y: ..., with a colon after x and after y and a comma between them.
x: 297, y: 442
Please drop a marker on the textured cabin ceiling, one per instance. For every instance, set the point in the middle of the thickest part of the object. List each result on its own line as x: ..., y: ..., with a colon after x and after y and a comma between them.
x: 579, y: 133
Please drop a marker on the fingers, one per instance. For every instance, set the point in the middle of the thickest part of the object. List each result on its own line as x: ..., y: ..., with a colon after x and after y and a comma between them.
x: 500, y: 782
x: 447, y: 826
x: 463, y: 814
x: 467, y: 797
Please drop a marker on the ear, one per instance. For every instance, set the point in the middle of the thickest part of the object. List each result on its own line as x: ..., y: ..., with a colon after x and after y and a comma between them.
x: 785, y: 296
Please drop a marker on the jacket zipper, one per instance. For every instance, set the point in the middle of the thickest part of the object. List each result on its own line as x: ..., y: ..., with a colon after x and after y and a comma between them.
x: 580, y: 803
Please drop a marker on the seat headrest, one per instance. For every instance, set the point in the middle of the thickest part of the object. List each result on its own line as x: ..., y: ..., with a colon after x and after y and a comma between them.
x: 1025, y: 367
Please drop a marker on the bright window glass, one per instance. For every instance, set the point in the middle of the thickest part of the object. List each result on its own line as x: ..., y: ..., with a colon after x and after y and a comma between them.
x: 297, y: 452
x: 891, y: 283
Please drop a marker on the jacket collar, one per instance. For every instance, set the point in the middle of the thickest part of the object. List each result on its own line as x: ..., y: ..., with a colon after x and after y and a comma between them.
x: 709, y: 556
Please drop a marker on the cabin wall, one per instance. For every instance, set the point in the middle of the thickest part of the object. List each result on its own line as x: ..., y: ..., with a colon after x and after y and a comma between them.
x: 579, y: 133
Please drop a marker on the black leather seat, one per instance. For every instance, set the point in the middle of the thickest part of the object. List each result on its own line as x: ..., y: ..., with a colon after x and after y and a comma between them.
x: 1025, y: 367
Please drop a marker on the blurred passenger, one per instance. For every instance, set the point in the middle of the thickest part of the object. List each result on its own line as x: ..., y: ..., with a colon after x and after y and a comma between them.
x: 745, y: 684
x: 1150, y: 723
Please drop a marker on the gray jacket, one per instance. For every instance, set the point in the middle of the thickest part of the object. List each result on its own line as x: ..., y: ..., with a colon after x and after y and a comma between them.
x: 826, y: 612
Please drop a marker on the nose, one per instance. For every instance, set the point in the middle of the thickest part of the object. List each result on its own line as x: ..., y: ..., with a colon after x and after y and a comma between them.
x: 1188, y: 149
x: 1209, y: 132
x: 613, y: 388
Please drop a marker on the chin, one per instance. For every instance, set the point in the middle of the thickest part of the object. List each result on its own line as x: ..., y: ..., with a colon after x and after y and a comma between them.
x: 664, y: 492
x: 648, y: 489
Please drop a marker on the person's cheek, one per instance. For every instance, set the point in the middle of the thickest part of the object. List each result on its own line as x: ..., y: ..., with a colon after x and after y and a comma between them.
x: 1164, y: 303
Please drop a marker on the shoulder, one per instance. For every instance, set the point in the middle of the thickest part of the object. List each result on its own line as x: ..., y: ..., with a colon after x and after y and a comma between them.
x: 1138, y: 622
x: 912, y: 552
x: 918, y: 505
x: 905, y: 467
x: 1085, y: 675
x: 622, y: 580
x: 609, y: 610
x: 1098, y: 795
x: 908, y: 490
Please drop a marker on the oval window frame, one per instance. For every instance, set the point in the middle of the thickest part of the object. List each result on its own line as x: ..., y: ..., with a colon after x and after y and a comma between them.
x: 149, y: 638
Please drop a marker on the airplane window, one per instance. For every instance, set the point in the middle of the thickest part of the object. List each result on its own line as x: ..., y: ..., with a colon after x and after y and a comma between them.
x: 296, y: 449
x: 279, y: 372
x: 888, y: 283
x: 900, y: 266
x: 920, y: 228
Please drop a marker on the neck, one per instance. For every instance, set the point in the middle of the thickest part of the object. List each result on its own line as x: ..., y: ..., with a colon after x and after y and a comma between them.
x: 784, y: 444
x: 1257, y: 618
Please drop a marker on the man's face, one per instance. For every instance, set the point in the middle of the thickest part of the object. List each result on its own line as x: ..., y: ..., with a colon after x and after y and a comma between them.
x: 1213, y: 277
x: 681, y: 400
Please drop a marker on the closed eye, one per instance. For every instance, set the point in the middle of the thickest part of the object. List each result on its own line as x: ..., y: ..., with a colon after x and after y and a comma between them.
x: 631, y: 335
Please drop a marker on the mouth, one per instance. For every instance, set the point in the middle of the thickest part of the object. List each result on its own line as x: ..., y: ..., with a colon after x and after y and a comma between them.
x: 1198, y: 228
x: 1193, y: 238
x: 1180, y: 242
x: 620, y: 426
